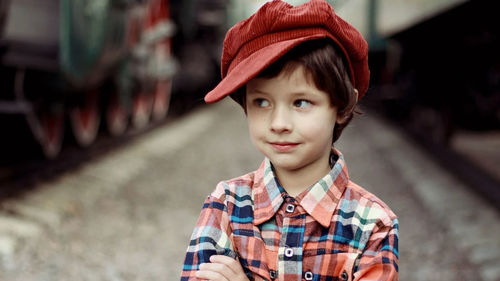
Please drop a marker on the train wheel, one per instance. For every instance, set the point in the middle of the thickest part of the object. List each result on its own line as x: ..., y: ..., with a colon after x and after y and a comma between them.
x: 142, y: 105
x: 85, y: 119
x: 48, y: 128
x: 116, y: 115
x: 161, y: 99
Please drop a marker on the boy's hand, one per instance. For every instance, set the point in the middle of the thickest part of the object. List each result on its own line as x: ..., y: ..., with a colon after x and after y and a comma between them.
x: 221, y: 268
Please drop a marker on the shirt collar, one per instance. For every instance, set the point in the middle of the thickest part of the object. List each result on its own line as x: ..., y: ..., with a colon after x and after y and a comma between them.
x: 320, y: 200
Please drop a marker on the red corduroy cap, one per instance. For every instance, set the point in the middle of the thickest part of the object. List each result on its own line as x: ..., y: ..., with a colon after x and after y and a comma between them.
x: 255, y: 43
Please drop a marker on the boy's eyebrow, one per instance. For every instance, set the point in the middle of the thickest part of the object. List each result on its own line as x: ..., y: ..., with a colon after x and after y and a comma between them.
x: 256, y: 91
x: 304, y: 93
x: 293, y: 94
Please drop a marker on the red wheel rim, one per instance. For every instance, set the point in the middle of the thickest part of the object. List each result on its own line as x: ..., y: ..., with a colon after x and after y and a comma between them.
x: 85, y: 119
x: 116, y: 116
x: 141, y: 109
x: 51, y: 133
x: 161, y: 100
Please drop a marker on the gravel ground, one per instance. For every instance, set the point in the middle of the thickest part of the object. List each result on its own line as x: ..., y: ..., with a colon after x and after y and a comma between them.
x: 128, y: 214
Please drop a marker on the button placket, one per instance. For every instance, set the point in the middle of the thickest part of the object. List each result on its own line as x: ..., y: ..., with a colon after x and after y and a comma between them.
x: 290, y: 257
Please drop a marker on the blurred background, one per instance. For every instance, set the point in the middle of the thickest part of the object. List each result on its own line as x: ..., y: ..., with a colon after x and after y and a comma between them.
x: 107, y: 149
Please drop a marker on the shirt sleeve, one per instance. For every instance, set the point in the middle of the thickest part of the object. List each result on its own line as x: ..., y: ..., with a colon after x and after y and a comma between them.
x: 210, y: 236
x: 380, y: 258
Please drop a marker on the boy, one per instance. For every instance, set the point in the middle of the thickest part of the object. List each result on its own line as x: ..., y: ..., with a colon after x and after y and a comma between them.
x: 298, y: 73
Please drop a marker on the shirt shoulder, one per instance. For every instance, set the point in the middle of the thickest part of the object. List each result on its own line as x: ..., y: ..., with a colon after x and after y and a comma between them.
x: 235, y: 190
x: 367, y: 205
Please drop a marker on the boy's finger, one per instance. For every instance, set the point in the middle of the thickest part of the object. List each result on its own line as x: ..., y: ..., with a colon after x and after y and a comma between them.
x: 230, y: 262
x: 210, y: 275
x: 219, y: 268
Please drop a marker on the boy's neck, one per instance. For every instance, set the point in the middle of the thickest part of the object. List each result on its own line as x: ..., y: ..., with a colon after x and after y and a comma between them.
x: 295, y: 182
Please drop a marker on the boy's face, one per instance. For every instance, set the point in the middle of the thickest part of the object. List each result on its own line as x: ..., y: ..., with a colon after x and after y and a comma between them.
x: 291, y: 121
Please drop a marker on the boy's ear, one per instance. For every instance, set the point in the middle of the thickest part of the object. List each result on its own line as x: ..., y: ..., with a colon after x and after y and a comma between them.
x: 343, y: 118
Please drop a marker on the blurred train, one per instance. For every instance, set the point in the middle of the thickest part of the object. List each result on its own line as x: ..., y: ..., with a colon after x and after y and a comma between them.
x: 86, y: 64
x: 435, y: 63
x: 435, y: 70
x: 197, y: 45
x: 91, y: 64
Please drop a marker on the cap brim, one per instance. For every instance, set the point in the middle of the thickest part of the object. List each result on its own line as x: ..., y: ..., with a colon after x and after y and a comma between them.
x: 251, y: 66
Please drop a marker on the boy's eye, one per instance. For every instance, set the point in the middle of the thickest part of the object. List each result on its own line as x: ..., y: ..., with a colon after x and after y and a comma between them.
x: 301, y: 103
x: 261, y: 102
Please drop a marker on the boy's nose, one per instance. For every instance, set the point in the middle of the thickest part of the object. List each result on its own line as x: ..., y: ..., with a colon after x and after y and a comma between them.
x: 281, y: 121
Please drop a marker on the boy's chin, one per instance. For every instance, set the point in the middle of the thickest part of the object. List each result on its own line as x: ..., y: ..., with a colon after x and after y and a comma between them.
x: 287, y: 165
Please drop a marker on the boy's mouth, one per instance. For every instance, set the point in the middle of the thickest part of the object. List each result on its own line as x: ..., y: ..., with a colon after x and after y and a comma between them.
x: 283, y: 146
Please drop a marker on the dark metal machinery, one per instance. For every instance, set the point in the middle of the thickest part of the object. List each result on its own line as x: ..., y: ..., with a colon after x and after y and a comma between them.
x: 436, y: 72
x: 84, y: 61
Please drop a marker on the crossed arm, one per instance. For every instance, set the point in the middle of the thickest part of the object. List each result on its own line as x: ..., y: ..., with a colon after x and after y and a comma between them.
x: 221, y: 268
x: 210, y: 255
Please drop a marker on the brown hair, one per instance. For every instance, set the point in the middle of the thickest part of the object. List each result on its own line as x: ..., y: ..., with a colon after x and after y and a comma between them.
x: 326, y: 65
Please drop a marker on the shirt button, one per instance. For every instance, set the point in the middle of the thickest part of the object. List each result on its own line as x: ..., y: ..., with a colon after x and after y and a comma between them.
x: 273, y: 274
x: 288, y: 252
x: 290, y: 208
x: 308, y: 276
x: 344, y: 276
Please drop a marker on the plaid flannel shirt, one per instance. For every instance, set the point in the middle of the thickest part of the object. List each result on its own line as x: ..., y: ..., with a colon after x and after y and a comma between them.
x: 335, y: 230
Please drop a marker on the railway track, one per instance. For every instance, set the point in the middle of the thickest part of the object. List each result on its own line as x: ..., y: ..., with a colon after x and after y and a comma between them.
x: 478, y: 179
x: 482, y: 182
